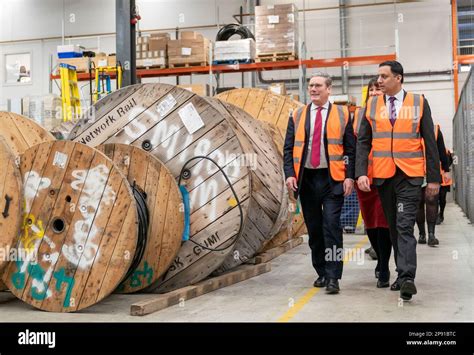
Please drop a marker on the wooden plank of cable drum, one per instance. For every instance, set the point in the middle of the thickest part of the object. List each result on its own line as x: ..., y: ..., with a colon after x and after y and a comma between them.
x: 79, y: 228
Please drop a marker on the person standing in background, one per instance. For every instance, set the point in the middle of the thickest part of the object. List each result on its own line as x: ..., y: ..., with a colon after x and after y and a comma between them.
x: 371, y: 207
x: 431, y: 202
x: 446, y: 183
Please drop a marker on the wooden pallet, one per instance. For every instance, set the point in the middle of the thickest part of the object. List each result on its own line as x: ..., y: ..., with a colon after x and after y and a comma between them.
x: 276, y: 57
x: 187, y: 65
x: 172, y: 298
x: 271, y: 254
x: 152, y: 67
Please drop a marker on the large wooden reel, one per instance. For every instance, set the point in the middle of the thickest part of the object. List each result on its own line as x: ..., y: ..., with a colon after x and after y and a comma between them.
x: 10, y: 205
x: 166, y: 213
x: 21, y: 132
x: 152, y: 116
x: 79, y: 229
x: 272, y: 111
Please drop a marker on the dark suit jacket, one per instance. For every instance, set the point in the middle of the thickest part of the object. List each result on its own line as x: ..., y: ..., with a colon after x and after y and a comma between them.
x: 349, y: 151
x: 364, y: 145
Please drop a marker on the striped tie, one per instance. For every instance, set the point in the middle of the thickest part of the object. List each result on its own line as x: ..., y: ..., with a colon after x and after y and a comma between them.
x: 393, y: 111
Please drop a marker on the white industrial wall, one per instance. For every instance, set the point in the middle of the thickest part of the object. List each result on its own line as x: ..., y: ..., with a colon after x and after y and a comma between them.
x: 423, y: 36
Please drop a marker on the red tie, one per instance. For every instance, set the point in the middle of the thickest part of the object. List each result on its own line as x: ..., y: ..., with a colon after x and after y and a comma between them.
x: 316, y: 145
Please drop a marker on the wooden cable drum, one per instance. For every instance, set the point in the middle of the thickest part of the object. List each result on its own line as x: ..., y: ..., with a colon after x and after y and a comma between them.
x: 263, y: 105
x: 79, y: 229
x: 21, y: 132
x: 164, y: 204
x: 273, y: 111
x: 153, y: 117
x: 10, y: 205
x: 268, y: 185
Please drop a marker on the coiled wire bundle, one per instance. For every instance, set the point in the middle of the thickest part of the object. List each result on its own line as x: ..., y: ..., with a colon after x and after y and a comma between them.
x: 233, y: 29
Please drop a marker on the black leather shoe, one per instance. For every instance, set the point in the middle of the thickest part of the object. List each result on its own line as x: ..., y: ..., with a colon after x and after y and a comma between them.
x: 432, y: 240
x: 439, y: 220
x: 422, y: 239
x: 382, y: 284
x: 395, y: 286
x: 333, y: 286
x: 373, y: 254
x: 407, y: 290
x: 321, y: 281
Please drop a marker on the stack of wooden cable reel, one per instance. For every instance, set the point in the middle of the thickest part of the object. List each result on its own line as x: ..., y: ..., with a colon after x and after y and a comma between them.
x: 89, y: 222
x: 227, y: 165
x: 272, y: 111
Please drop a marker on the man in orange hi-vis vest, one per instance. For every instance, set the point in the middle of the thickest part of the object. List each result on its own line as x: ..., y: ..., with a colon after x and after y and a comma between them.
x: 319, y: 163
x: 394, y: 127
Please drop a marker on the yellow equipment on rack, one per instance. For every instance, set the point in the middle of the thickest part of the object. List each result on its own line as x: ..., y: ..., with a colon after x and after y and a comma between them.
x: 103, y: 85
x: 71, y: 99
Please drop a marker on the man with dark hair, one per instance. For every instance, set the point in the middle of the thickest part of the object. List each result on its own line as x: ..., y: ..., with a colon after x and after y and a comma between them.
x: 394, y: 127
x: 319, y: 156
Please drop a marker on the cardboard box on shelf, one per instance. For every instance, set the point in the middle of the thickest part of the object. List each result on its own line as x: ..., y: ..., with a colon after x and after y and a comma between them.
x: 81, y: 64
x: 278, y: 88
x: 192, y: 48
x: 276, y: 29
x: 112, y: 60
x: 199, y: 89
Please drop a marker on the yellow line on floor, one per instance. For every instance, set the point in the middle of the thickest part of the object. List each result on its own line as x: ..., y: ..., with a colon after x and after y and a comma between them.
x: 314, y: 290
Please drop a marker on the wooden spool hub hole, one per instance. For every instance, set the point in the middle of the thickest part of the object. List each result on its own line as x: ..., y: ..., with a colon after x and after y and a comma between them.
x: 58, y: 225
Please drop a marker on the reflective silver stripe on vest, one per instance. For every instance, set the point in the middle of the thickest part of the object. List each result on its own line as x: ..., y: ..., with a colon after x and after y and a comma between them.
x: 399, y: 135
x: 417, y: 109
x: 296, y: 160
x: 298, y: 144
x: 334, y: 141
x: 373, y: 110
x: 336, y: 157
x: 298, y: 117
x: 342, y: 121
x: 360, y: 117
x: 400, y: 155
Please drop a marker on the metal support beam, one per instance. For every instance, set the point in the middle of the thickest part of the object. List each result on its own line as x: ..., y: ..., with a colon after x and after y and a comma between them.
x: 343, y: 40
x: 125, y: 40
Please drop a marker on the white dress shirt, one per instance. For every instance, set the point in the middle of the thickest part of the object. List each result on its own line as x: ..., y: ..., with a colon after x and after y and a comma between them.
x: 398, y: 102
x: 324, y: 113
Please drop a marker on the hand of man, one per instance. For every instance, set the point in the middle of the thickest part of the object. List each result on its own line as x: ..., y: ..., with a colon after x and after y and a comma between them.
x: 348, y: 187
x: 447, y: 175
x: 291, y: 184
x: 363, y: 183
x: 432, y: 189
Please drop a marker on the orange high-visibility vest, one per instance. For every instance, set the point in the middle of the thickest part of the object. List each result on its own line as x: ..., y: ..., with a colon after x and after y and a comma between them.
x: 359, y: 115
x: 335, y: 126
x: 444, y: 181
x: 398, y: 146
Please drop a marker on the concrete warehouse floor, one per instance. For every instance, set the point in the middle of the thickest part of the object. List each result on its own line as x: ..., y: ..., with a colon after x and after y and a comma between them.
x: 444, y: 281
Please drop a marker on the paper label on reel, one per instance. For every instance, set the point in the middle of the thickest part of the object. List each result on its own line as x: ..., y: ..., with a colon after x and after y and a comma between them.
x: 60, y: 160
x: 166, y: 105
x: 190, y: 118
